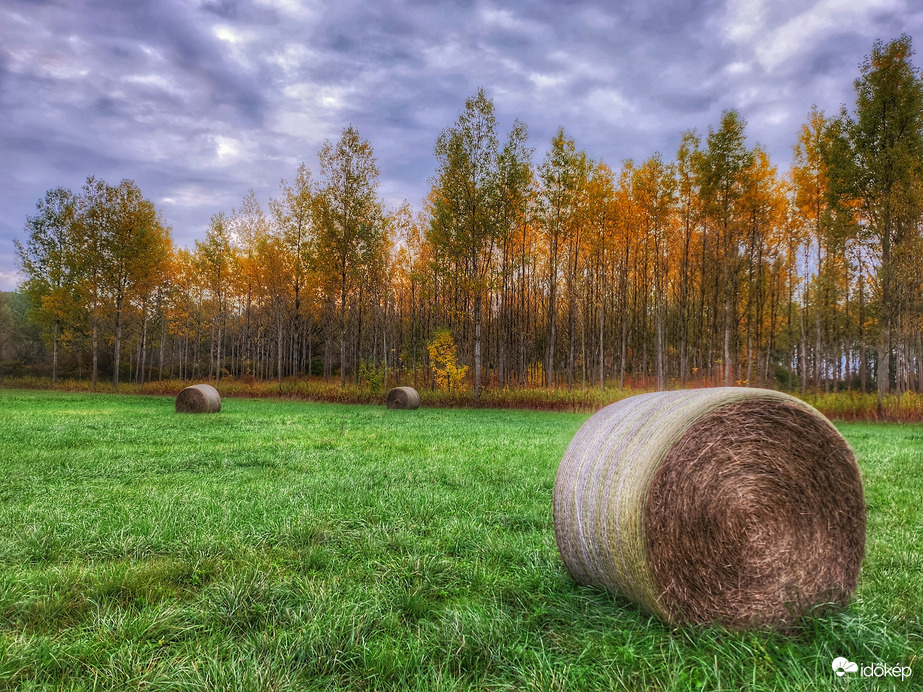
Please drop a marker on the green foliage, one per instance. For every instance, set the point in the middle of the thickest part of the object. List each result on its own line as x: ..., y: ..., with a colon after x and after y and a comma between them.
x: 20, y: 337
x: 371, y: 375
x: 477, y: 194
x: 283, y: 545
x: 886, y: 133
x: 352, y: 236
x: 876, y: 165
x: 50, y: 262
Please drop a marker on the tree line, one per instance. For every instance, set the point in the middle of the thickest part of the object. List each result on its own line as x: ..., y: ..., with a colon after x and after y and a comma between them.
x: 708, y: 268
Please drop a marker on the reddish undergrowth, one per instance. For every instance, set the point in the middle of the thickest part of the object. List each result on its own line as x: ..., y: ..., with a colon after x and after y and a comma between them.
x: 846, y: 406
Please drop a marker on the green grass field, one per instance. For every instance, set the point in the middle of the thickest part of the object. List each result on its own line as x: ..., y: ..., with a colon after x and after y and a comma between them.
x: 285, y: 545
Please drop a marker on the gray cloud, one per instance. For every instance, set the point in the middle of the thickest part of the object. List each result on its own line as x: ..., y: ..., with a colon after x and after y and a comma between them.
x: 198, y: 103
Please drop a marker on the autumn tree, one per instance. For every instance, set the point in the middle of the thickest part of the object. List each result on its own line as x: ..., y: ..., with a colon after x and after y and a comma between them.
x: 884, y: 172
x: 514, y: 169
x: 600, y: 233
x: 275, y: 268
x: 47, y: 259
x: 413, y: 284
x: 133, y: 251
x: 561, y: 200
x: 723, y: 163
x: 443, y: 359
x: 95, y: 221
x: 215, y: 261
x: 812, y: 195
x: 350, y: 222
x: 249, y: 226
x: 625, y: 250
x: 654, y: 193
x: 764, y: 206
x: 689, y: 218
x: 185, y: 303
x: 467, y: 203
x: 293, y: 215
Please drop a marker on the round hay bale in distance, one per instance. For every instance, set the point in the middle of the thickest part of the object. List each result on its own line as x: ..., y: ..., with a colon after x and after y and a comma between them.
x: 403, y: 398
x: 199, y: 398
x: 735, y: 506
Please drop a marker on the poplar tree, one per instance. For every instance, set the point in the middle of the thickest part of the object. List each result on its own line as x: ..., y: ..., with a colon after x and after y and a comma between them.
x: 723, y: 164
x: 293, y: 214
x: 135, y: 248
x: 350, y: 222
x: 215, y: 260
x: 466, y: 199
x: 49, y: 264
x: 884, y: 173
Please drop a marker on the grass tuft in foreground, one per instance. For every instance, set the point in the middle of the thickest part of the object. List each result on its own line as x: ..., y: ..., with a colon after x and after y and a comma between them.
x: 284, y: 545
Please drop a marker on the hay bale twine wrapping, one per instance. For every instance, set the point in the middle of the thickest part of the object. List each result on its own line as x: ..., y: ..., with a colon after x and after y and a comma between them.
x: 404, y: 398
x: 736, y: 506
x: 199, y: 398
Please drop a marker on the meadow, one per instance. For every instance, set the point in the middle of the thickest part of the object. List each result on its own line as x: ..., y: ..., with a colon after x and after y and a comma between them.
x: 288, y: 545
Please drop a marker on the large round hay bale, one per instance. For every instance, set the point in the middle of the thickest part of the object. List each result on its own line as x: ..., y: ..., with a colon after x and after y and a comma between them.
x: 403, y: 397
x: 736, y: 506
x: 199, y: 398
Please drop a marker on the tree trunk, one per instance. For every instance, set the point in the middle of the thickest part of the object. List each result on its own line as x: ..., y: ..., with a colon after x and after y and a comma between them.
x: 727, y: 339
x: 863, y: 354
x: 343, y: 332
x: 659, y: 355
x: 142, y: 343
x: 328, y: 351
x: 884, y: 341
x: 357, y: 359
x: 54, y: 357
x: 384, y: 339
x: 211, y: 352
x: 279, y: 351
x: 919, y: 360
x: 95, y: 345
x: 309, y: 335
x: 804, y: 334
x: 623, y: 353
x: 602, y: 344
x: 477, y: 347
x: 163, y: 339
x: 118, y: 343
x: 552, y: 334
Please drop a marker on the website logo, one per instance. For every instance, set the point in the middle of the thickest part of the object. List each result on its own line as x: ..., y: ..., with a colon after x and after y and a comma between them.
x: 841, y: 666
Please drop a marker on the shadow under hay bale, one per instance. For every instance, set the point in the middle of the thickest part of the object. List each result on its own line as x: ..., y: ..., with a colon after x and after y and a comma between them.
x: 736, y: 506
x: 403, y: 398
x: 199, y: 398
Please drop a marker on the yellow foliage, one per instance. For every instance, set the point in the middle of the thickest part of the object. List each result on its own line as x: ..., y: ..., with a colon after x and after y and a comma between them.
x: 443, y: 359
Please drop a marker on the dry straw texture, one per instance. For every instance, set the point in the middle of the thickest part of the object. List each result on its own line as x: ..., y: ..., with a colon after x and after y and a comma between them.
x: 403, y: 397
x: 729, y: 505
x: 199, y: 398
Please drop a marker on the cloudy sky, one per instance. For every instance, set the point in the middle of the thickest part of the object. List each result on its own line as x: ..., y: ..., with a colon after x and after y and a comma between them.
x: 198, y: 101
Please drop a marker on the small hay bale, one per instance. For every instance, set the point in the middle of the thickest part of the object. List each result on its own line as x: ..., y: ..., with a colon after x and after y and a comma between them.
x: 404, y: 398
x: 736, y: 506
x: 199, y: 398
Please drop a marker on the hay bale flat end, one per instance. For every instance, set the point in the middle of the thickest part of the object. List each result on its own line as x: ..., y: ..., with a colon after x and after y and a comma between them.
x: 737, y: 506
